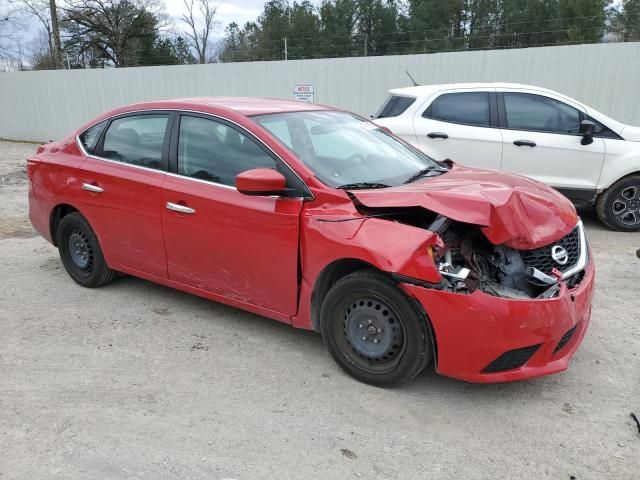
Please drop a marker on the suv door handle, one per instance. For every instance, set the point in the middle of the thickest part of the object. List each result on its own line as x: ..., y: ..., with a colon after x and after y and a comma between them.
x: 92, y: 188
x: 437, y: 135
x: 176, y: 207
x: 524, y: 143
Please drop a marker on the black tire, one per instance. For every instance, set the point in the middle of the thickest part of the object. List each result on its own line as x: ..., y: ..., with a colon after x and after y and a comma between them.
x: 370, y: 304
x: 618, y: 207
x: 83, y: 261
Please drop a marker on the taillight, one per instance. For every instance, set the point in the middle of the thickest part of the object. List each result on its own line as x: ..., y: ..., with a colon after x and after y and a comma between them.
x: 32, y: 166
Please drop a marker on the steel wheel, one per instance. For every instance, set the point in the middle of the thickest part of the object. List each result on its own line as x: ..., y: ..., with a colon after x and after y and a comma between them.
x: 80, y: 252
x: 372, y: 332
x: 80, y: 249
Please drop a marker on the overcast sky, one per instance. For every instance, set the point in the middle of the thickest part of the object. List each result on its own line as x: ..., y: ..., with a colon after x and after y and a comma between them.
x: 239, y: 11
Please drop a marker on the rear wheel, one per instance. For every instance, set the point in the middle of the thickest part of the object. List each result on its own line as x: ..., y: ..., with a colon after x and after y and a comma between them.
x: 80, y: 252
x: 374, y: 331
x: 618, y: 207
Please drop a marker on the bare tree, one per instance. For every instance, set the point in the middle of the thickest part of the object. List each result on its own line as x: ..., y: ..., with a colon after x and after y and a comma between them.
x: 200, y: 28
x: 118, y: 29
x: 40, y: 52
x: 40, y: 9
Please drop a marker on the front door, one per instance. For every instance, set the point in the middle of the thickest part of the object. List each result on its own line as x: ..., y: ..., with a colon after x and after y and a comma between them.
x: 541, y: 141
x: 218, y: 239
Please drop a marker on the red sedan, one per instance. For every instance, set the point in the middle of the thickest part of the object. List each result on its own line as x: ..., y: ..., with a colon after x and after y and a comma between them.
x: 320, y: 219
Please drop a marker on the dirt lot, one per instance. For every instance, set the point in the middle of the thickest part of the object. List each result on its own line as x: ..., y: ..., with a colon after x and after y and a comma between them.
x: 136, y: 380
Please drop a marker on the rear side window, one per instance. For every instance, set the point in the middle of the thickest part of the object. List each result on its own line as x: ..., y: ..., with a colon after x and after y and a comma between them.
x: 136, y: 139
x: 526, y: 111
x: 467, y: 108
x: 396, y: 105
x: 89, y: 138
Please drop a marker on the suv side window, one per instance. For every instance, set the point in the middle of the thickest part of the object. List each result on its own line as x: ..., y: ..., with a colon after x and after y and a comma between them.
x: 89, y: 138
x: 136, y: 139
x: 394, y: 106
x: 214, y: 151
x: 526, y: 111
x: 467, y: 108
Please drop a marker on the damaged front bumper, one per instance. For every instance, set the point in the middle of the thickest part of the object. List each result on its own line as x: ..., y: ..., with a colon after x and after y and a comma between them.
x: 484, y: 338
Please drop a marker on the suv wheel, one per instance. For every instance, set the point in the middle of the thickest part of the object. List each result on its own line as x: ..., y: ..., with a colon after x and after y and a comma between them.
x: 618, y: 207
x: 374, y: 331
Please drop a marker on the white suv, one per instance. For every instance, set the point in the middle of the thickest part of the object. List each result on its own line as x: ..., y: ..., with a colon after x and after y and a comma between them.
x: 542, y: 134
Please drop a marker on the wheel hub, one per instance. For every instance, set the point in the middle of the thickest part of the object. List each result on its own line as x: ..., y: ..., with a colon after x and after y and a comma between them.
x: 371, y: 330
x: 79, y: 249
x: 626, y: 206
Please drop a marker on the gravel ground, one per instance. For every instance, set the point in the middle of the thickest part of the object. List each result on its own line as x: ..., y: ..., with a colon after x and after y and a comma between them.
x: 135, y: 380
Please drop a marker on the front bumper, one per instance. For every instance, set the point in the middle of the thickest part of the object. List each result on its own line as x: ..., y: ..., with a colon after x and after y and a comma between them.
x: 473, y: 331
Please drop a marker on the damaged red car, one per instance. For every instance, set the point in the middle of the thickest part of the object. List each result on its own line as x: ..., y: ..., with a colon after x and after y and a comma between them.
x: 322, y: 220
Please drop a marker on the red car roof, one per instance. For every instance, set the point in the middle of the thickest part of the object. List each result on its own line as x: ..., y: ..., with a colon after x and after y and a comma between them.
x: 242, y: 105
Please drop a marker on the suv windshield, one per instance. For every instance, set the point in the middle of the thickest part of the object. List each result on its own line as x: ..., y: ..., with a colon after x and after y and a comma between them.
x: 345, y: 151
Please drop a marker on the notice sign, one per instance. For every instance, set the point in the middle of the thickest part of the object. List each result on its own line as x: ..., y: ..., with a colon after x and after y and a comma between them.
x: 303, y: 93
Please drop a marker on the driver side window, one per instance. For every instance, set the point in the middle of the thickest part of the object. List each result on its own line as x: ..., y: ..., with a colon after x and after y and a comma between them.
x: 214, y: 151
x: 525, y: 111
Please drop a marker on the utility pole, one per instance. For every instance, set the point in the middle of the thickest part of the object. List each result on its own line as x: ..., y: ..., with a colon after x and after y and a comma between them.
x: 286, y: 53
x: 56, y: 33
x: 365, y: 44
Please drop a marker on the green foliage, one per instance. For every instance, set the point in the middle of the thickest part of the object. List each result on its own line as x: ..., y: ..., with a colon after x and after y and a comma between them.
x: 627, y: 21
x: 121, y: 33
x: 338, y: 28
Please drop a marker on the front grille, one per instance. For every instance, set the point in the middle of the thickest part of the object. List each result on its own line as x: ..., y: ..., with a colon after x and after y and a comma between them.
x: 511, y: 359
x: 565, y: 339
x: 540, y: 258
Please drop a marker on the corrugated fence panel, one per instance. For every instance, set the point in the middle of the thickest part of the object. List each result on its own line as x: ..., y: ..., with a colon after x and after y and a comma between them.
x: 48, y: 104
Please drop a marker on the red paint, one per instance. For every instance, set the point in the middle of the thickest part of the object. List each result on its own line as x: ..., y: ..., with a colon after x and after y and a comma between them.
x: 265, y: 254
x: 514, y: 211
x: 473, y: 330
x: 260, y: 181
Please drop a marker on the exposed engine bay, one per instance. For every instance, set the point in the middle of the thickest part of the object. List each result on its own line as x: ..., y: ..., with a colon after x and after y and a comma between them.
x: 468, y: 261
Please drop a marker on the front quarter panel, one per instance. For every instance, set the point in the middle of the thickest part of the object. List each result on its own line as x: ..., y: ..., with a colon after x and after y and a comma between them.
x: 622, y: 158
x: 387, y: 245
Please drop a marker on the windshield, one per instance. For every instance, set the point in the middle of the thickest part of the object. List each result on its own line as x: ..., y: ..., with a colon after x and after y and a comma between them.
x: 345, y: 151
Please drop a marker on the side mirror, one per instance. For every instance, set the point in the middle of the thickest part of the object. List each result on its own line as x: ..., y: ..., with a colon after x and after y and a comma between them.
x: 261, y: 181
x: 587, y: 129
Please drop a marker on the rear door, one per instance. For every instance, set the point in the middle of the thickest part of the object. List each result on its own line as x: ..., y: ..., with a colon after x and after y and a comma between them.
x: 461, y: 125
x: 541, y: 141
x: 218, y: 239
x: 121, y: 197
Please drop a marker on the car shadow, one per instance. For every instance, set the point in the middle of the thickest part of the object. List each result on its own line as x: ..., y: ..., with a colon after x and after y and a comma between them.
x: 427, y: 385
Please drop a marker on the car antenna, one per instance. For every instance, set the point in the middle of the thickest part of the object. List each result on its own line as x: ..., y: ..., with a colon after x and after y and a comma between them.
x: 415, y: 84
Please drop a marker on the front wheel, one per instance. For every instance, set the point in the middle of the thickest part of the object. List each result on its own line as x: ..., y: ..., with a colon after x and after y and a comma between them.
x: 618, y: 207
x: 80, y: 252
x: 374, y: 331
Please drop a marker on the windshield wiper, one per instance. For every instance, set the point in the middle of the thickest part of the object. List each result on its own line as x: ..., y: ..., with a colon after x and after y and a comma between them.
x: 423, y: 173
x: 355, y: 186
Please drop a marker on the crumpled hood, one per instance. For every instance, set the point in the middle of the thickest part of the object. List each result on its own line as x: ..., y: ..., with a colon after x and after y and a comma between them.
x: 631, y: 133
x: 511, y: 210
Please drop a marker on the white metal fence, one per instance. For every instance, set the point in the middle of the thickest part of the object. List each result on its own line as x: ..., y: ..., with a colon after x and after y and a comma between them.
x: 48, y: 104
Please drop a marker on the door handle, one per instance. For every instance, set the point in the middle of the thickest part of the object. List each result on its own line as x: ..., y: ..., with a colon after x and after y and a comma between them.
x: 437, y: 135
x: 92, y: 188
x: 176, y: 207
x: 524, y: 143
